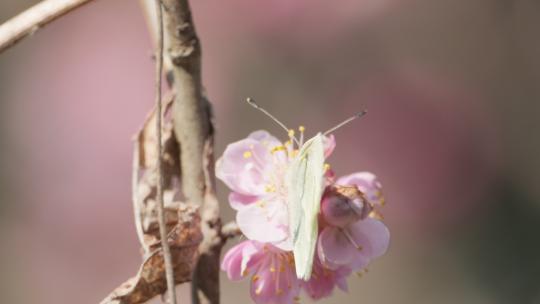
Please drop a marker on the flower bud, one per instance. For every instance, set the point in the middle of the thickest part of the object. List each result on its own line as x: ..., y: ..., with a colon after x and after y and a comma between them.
x: 342, y: 205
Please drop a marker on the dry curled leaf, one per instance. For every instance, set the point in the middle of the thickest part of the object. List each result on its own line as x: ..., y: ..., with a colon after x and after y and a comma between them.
x: 149, y: 282
x: 145, y: 179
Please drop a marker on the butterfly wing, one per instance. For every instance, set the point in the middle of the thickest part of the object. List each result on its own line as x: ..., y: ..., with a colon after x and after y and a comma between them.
x: 304, y: 181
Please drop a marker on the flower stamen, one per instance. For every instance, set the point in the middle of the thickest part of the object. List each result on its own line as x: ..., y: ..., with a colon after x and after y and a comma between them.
x: 351, y: 239
x: 374, y: 214
x: 277, y: 149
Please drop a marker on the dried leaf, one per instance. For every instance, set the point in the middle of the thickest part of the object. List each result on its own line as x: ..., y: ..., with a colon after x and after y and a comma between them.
x: 145, y: 178
x: 150, y: 281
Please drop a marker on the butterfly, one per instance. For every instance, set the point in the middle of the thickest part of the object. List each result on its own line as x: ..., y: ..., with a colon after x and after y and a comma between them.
x: 304, y: 181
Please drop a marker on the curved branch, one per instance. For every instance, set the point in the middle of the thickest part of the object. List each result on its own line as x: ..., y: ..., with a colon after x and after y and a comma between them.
x: 29, y: 21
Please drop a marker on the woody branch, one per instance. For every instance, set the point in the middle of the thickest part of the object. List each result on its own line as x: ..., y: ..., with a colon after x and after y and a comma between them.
x: 29, y: 21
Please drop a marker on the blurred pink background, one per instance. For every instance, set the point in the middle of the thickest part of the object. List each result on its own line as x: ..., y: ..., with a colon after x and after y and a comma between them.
x: 452, y: 89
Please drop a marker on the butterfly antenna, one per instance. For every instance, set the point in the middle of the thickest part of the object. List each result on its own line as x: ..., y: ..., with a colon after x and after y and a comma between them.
x: 282, y: 125
x: 358, y: 115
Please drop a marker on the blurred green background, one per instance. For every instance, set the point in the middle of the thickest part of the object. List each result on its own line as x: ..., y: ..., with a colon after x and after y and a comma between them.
x: 453, y: 93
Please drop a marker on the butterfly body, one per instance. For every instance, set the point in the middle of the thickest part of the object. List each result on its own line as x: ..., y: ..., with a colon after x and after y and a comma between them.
x: 304, y: 182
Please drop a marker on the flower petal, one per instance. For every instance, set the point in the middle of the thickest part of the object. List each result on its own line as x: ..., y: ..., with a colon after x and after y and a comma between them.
x: 264, y: 221
x: 275, y: 282
x: 232, y: 261
x: 238, y: 201
x: 372, y: 235
x: 242, y: 259
x: 329, y: 144
x: 342, y: 284
x: 245, y: 164
x: 334, y: 249
x: 264, y: 138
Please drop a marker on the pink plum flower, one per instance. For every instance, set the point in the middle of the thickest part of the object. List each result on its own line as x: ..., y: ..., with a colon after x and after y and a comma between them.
x: 273, y: 276
x: 352, y: 238
x: 272, y: 272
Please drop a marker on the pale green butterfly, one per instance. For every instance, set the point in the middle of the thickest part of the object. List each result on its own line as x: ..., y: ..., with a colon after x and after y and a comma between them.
x: 304, y: 181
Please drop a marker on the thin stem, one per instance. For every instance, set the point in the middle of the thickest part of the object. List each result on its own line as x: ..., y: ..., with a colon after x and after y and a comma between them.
x: 29, y: 21
x: 169, y: 274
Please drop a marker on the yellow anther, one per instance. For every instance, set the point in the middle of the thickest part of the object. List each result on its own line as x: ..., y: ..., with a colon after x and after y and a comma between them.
x: 270, y: 188
x: 374, y: 214
x: 380, y: 196
x: 291, y: 133
x: 326, y: 167
x: 255, y: 278
x: 248, y: 154
x: 272, y: 269
x: 261, y: 204
x: 245, y: 272
x: 278, y: 148
x: 301, y: 129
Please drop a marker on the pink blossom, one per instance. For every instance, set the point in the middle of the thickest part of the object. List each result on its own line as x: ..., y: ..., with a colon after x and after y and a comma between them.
x: 273, y: 276
x: 272, y: 272
x: 351, y: 239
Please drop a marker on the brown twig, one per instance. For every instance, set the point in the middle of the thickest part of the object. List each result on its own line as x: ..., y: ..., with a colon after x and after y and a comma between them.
x: 169, y: 272
x: 191, y: 121
x: 194, y: 131
x: 29, y: 21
